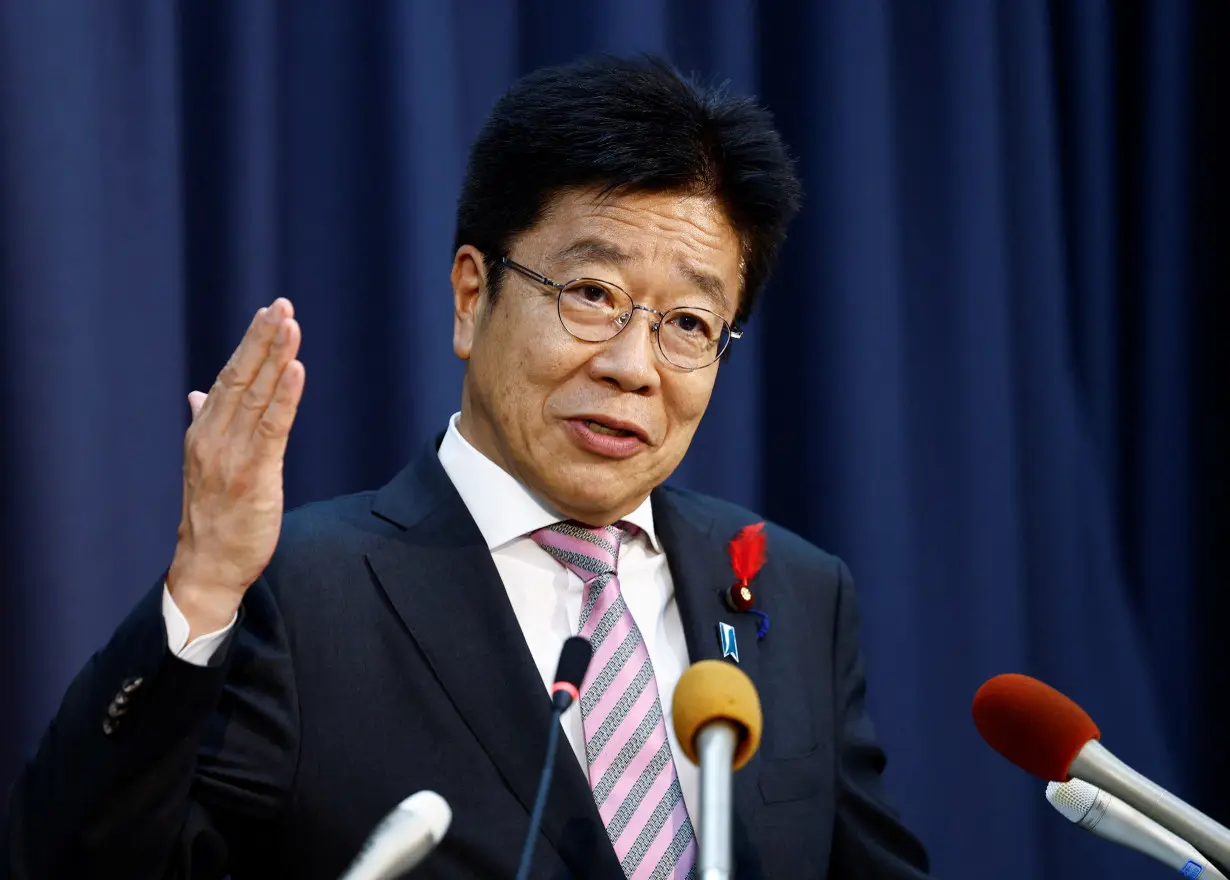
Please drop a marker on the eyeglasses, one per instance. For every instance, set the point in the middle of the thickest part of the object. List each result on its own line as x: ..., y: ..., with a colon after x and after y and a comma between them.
x: 596, y: 311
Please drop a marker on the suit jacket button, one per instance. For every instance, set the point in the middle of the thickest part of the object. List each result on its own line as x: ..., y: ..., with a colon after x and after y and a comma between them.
x: 115, y: 710
x: 131, y: 684
x: 110, y: 726
x: 121, y: 699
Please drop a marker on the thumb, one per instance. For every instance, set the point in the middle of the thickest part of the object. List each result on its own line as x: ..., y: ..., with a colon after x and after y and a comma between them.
x: 196, y: 400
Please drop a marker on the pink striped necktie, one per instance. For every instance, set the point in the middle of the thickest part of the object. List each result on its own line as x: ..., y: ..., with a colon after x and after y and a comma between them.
x: 631, y: 769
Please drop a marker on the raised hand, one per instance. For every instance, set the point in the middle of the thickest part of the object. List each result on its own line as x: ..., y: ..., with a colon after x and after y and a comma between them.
x: 233, y: 454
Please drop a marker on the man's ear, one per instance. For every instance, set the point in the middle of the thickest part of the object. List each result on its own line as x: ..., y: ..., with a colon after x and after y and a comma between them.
x: 469, y: 298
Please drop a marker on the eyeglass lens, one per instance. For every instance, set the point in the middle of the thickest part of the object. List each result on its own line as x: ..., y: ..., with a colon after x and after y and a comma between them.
x: 595, y: 312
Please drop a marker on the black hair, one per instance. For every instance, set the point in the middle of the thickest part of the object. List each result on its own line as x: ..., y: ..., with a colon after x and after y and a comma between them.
x: 623, y: 126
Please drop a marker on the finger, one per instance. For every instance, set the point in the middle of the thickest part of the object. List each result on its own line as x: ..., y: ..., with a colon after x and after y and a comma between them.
x: 273, y: 429
x: 252, y: 336
x: 256, y: 397
x: 196, y: 400
x: 246, y: 361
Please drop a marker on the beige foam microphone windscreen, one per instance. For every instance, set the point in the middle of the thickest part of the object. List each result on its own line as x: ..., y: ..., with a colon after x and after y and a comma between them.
x: 712, y: 690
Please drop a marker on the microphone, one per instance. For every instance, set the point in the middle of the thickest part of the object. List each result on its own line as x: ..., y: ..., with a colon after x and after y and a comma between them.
x: 569, y: 673
x: 1111, y: 819
x: 1044, y: 733
x: 403, y: 838
x: 717, y: 721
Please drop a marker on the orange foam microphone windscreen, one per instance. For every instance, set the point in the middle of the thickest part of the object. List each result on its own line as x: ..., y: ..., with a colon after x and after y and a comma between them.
x: 712, y: 690
x: 1032, y: 725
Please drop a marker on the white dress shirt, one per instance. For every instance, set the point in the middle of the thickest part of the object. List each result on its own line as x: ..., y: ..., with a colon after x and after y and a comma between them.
x: 544, y: 595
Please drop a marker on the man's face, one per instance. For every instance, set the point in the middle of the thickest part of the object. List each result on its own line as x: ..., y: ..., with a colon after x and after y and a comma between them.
x: 536, y: 399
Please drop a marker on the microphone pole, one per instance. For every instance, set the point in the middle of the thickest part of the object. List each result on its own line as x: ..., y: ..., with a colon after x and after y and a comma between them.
x: 717, y: 720
x: 569, y: 673
x: 715, y: 746
x: 1104, y: 815
x: 1095, y: 764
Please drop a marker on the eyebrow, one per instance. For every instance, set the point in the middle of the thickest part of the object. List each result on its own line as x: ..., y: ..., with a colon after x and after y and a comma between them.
x: 595, y: 250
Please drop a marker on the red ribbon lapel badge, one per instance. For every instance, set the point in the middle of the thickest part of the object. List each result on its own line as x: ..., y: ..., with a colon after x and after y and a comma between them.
x: 747, y: 556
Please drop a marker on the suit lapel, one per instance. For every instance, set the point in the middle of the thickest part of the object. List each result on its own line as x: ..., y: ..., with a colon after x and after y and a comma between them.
x: 700, y: 569
x: 440, y: 579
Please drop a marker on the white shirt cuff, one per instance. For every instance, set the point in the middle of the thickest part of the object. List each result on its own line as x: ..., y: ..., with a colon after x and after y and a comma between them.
x: 200, y: 650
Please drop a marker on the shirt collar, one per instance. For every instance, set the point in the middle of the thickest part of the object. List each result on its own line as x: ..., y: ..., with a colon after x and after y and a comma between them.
x: 503, y: 508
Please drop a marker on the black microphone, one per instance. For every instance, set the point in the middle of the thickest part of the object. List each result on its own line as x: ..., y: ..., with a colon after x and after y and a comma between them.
x: 569, y: 673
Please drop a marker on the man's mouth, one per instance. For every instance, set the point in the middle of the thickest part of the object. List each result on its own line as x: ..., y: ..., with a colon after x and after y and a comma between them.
x: 610, y: 438
x: 599, y: 428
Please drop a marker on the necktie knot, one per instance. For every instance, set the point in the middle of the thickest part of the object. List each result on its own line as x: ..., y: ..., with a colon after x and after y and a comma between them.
x: 587, y: 551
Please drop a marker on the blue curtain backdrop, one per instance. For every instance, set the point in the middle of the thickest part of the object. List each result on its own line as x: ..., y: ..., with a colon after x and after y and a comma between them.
x: 989, y: 372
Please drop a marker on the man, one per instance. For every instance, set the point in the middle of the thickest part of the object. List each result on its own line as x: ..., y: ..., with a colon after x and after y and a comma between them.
x: 292, y: 678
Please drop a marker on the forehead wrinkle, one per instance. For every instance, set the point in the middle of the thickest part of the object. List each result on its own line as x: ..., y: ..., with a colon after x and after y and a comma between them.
x: 663, y: 221
x: 595, y: 249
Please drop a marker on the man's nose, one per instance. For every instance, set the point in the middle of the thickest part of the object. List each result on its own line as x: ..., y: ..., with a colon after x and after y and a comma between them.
x: 630, y: 358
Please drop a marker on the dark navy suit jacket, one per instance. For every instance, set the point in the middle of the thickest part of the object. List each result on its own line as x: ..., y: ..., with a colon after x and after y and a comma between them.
x: 377, y: 656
